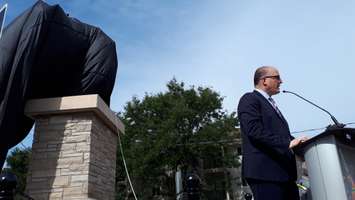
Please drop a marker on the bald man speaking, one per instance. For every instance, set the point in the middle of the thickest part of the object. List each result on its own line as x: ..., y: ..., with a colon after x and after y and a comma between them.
x: 268, y: 165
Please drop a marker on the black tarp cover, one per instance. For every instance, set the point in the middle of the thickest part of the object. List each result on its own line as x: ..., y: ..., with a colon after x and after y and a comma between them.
x: 45, y: 53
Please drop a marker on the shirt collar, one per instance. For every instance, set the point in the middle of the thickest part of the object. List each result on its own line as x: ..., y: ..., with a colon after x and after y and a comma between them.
x: 262, y: 92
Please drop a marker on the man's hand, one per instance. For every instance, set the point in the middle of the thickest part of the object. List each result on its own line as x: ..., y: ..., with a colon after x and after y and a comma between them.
x: 297, y: 141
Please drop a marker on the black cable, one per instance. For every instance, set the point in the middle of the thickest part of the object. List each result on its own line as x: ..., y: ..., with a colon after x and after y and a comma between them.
x: 316, y: 129
x: 307, y: 130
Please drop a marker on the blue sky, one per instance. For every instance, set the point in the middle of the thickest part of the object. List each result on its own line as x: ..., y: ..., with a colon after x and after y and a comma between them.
x: 220, y: 44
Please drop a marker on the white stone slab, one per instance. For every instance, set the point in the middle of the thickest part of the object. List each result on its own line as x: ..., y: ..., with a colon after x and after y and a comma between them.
x: 81, y: 103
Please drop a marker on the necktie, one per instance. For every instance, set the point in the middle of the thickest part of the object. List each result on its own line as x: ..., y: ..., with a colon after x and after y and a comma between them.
x: 275, y: 107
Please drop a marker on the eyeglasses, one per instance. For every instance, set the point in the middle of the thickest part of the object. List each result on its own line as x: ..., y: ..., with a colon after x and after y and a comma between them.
x: 277, y: 77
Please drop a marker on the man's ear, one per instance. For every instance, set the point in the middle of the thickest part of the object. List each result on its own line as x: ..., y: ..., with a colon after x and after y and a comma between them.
x: 264, y: 82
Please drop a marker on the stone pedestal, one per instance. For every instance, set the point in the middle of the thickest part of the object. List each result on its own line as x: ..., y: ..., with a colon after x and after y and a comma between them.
x: 74, y: 148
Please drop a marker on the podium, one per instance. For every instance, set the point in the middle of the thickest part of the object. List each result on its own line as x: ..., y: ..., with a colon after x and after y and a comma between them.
x: 330, y: 161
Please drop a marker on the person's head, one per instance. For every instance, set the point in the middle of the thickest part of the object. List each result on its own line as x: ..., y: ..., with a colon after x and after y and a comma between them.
x: 268, y: 79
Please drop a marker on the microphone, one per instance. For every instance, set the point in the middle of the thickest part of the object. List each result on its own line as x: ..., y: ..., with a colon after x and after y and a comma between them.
x: 336, y: 123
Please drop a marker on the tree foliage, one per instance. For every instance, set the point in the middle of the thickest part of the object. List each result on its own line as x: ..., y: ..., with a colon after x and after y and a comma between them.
x: 18, y: 162
x: 179, y: 127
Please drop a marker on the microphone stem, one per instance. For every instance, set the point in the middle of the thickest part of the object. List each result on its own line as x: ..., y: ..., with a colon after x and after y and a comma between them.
x: 331, y: 116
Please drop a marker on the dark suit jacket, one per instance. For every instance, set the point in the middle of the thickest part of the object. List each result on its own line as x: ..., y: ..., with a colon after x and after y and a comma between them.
x: 265, y: 141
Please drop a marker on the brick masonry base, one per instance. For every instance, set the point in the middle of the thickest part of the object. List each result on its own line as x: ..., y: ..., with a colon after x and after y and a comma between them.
x: 73, y: 157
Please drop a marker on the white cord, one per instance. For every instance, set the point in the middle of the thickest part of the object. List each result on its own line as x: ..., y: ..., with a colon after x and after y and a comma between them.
x: 125, y: 166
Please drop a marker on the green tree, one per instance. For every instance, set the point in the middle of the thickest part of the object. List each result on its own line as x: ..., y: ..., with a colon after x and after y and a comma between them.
x: 179, y: 127
x: 18, y: 162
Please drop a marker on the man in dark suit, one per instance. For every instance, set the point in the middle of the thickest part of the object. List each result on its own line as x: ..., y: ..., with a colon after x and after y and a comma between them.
x: 268, y: 165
